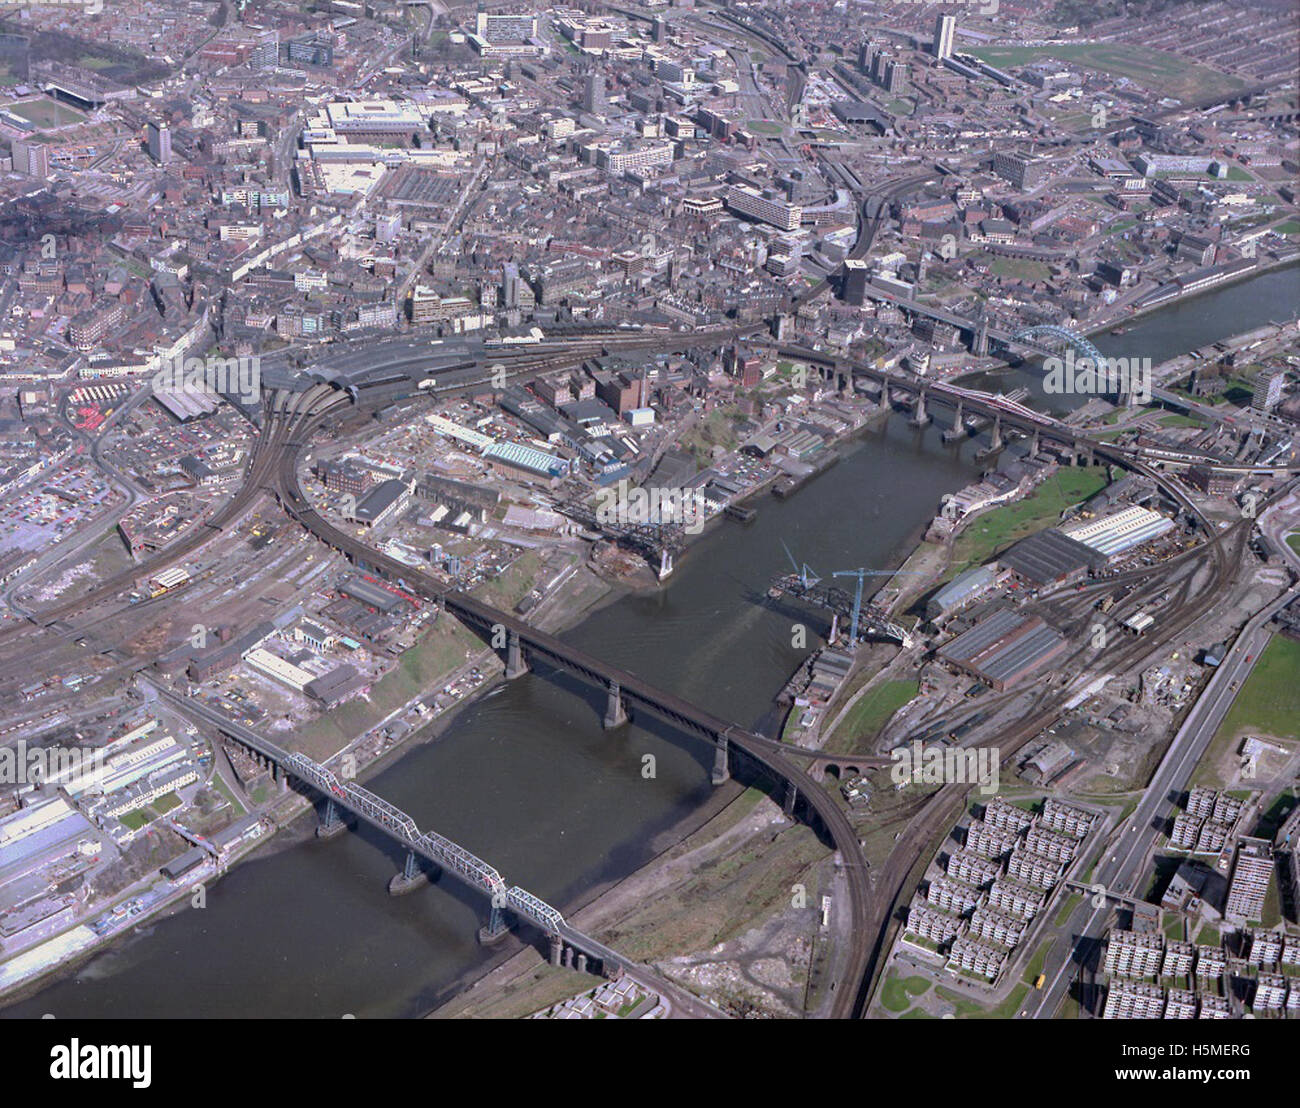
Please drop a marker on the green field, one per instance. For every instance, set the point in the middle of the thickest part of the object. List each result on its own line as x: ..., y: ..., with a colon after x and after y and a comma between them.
x: 970, y: 1010
x: 1025, y: 269
x: 1165, y: 73
x: 46, y: 113
x: 1177, y: 420
x: 1293, y: 541
x: 870, y: 713
x: 1269, y: 701
x: 994, y: 531
x: 764, y: 127
x: 897, y: 994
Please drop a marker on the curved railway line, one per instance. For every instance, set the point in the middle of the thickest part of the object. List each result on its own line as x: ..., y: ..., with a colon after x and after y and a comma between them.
x: 292, y: 418
x: 766, y: 753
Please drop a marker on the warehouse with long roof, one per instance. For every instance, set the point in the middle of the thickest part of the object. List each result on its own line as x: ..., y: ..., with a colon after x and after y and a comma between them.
x: 1051, y: 558
x: 1004, y: 648
x: 1119, y: 532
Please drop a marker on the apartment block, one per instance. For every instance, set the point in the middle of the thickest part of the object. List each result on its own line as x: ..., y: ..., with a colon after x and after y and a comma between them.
x: 1051, y: 845
x: 1227, y: 808
x: 1180, y: 1005
x: 974, y: 957
x: 924, y: 921
x: 1134, y: 954
x: 1033, y: 869
x: 990, y: 841
x: 1200, y: 802
x: 997, y: 927
x: 1179, y: 959
x: 1291, y: 950
x: 1187, y: 828
x: 1265, y: 947
x: 1007, y: 817
x: 1250, y: 878
x: 1066, y: 818
x: 1210, y: 961
x: 973, y: 868
x: 1213, y: 836
x: 1131, y: 1001
x: 1015, y: 899
x: 752, y: 203
x: 952, y: 896
x: 1270, y: 993
x: 1214, y: 1008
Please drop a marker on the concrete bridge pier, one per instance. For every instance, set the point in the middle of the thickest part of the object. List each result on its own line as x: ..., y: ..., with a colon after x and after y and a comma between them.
x: 1033, y: 443
x: 996, y: 442
x: 615, y: 709
x: 331, y: 823
x: 920, y: 417
x: 281, y: 777
x: 791, y: 797
x: 557, y: 949
x: 958, y: 429
x: 516, y: 663
x: 721, y: 768
x: 665, y: 563
x: 412, y: 877
x: 582, y: 962
x: 495, y: 929
x: 568, y: 957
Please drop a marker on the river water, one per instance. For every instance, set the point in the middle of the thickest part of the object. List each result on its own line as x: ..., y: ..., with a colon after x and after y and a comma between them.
x: 529, y: 780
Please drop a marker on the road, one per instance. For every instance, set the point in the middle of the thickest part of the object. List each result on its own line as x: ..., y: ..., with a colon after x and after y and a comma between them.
x: 1125, y: 866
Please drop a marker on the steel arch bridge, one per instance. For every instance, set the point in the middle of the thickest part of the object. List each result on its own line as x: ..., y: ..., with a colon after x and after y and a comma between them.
x: 1079, y: 342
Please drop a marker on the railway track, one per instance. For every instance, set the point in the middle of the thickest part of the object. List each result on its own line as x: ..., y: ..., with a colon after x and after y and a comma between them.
x: 767, y: 754
x: 894, y: 879
x: 273, y: 469
x: 288, y: 414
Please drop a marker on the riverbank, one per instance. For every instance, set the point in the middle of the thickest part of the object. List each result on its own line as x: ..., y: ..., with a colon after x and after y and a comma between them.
x: 573, y: 601
x: 1134, y: 316
x: 480, y: 994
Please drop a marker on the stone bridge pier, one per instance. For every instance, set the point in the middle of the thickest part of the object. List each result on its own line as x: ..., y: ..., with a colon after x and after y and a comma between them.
x: 721, y: 767
x: 615, y: 709
x: 516, y: 663
x: 570, y: 957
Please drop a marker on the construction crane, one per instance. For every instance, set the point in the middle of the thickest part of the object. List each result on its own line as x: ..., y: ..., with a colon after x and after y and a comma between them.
x: 861, y: 574
x: 806, y: 584
x: 807, y: 575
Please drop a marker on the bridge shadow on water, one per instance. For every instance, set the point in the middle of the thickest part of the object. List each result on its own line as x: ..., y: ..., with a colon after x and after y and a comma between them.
x: 745, y: 770
x: 414, y: 905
